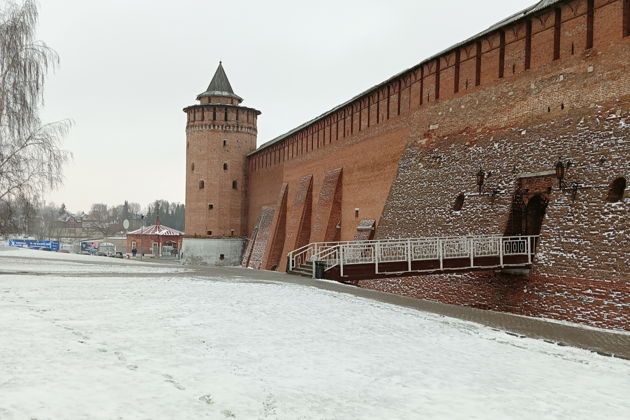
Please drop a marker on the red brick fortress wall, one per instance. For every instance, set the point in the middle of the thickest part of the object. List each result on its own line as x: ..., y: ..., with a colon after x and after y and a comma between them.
x: 512, y: 101
x: 368, y: 165
x: 572, y: 103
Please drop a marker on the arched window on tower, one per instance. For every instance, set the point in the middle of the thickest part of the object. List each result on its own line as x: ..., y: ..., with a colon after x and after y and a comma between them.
x: 234, y: 185
x: 616, y: 190
x: 192, y: 166
x: 225, y: 166
x: 201, y: 185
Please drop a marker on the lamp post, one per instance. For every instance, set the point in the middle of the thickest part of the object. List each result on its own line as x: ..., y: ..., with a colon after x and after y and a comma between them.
x: 481, y: 176
x: 561, y: 168
x: 142, y: 238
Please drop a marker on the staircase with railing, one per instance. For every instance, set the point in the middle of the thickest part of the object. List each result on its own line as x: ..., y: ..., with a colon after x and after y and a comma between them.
x: 393, y: 257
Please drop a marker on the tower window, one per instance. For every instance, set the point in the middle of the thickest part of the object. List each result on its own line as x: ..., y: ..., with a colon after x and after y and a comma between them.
x: 201, y: 185
x: 210, y: 206
x: 459, y: 202
x: 222, y: 257
x: 209, y: 233
x: 192, y: 166
x: 224, y: 143
x: 616, y: 190
x: 234, y: 185
x: 231, y: 232
x: 225, y: 166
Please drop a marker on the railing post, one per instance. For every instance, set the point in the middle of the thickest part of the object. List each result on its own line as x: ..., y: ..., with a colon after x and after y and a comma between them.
x: 471, y: 251
x: 376, y: 251
x: 441, y: 254
x: 529, y: 252
x: 501, y: 252
x: 341, y: 259
x: 313, y: 265
x: 409, y: 255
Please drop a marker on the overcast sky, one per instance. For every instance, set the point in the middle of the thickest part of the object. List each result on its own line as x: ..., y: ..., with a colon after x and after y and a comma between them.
x: 128, y: 68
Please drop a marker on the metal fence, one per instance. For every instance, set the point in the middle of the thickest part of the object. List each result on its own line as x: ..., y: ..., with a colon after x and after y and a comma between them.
x: 439, y: 250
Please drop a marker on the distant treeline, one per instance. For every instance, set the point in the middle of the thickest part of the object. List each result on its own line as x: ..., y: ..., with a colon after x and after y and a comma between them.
x: 171, y: 214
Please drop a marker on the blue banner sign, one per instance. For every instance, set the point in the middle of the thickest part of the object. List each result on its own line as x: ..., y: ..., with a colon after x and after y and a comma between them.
x: 34, y: 244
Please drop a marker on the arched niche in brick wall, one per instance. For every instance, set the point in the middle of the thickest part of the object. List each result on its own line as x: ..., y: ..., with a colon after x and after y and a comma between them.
x: 535, y: 214
x: 459, y: 202
x: 617, y: 190
x: 529, y: 204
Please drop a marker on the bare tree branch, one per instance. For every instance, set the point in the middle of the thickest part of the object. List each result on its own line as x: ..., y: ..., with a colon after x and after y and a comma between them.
x: 31, y: 158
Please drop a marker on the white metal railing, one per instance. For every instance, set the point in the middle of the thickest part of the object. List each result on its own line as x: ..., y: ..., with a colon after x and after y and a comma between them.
x: 304, y: 254
x: 439, y: 249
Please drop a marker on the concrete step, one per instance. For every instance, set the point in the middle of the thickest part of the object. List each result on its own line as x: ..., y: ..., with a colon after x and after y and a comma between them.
x: 299, y: 271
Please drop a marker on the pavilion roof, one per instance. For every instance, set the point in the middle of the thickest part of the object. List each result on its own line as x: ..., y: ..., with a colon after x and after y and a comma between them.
x: 157, y: 229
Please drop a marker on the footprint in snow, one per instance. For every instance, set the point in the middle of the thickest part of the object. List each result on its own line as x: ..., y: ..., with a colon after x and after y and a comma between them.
x: 269, y: 406
x: 121, y: 357
x: 207, y: 399
x: 169, y: 379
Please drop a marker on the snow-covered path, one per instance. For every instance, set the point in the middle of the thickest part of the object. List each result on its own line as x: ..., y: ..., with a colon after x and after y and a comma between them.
x: 182, y: 347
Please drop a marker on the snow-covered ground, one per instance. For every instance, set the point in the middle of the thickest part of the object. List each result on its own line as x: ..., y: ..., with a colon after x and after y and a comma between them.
x: 18, y: 259
x: 186, y: 347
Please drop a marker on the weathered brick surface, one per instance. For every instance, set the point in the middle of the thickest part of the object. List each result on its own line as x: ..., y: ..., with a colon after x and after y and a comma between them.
x: 584, y: 242
x: 261, y: 239
x: 365, y: 230
x: 578, y: 300
x: 328, y: 209
x: 273, y: 255
x: 247, y: 254
x: 299, y: 231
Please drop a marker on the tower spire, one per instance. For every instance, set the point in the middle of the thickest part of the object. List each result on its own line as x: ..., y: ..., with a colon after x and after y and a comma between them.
x: 220, y: 86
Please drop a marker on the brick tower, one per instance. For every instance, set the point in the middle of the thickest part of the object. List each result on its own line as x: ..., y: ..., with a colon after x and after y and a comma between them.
x: 219, y: 135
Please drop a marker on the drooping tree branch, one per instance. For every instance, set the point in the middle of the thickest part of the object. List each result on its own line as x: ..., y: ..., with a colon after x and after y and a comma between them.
x: 31, y: 158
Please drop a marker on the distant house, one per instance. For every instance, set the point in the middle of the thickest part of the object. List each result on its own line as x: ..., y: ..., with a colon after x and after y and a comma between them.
x: 157, y: 240
x: 70, y: 226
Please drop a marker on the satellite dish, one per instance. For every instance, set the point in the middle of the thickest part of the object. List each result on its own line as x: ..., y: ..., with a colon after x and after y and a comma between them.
x: 126, y: 224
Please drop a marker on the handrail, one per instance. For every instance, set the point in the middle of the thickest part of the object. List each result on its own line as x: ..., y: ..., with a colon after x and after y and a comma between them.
x: 408, y: 250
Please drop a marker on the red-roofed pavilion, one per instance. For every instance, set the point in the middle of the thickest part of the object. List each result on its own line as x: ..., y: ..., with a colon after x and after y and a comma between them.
x: 157, y: 240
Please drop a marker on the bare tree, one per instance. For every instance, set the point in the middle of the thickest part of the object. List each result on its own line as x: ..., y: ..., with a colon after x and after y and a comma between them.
x: 7, y: 218
x: 100, y: 220
x: 51, y: 228
x: 31, y: 158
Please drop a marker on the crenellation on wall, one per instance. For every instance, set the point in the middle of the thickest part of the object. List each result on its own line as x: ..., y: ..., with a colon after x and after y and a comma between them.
x: 530, y: 43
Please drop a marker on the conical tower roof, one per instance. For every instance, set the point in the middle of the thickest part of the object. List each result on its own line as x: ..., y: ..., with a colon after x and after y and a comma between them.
x: 220, y: 86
